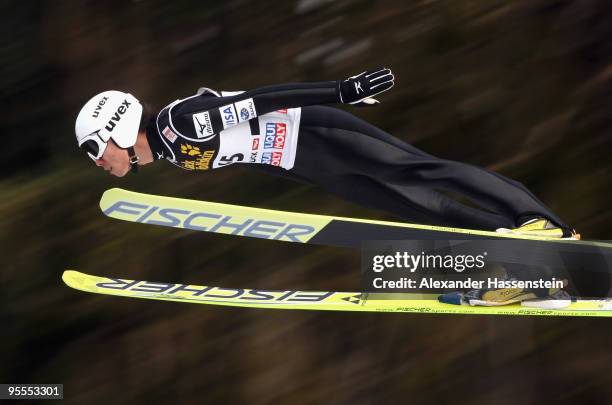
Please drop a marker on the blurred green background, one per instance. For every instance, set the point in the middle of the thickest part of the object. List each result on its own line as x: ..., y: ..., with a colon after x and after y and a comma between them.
x: 521, y: 87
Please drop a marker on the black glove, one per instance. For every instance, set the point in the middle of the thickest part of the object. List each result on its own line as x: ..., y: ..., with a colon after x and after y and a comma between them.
x: 361, y: 88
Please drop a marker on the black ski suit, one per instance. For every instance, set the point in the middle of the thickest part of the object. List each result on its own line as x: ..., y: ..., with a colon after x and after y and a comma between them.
x: 339, y: 152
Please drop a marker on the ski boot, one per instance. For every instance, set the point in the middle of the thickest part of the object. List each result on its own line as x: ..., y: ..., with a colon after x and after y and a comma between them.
x: 506, y: 296
x: 541, y: 227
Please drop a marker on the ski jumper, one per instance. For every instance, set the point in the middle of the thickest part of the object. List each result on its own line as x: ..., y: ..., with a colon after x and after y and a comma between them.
x: 285, y: 130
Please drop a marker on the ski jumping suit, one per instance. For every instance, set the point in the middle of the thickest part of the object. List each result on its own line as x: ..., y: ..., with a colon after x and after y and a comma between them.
x: 285, y: 130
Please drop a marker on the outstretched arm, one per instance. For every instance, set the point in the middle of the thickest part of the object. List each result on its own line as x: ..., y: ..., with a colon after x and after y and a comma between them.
x: 224, y: 112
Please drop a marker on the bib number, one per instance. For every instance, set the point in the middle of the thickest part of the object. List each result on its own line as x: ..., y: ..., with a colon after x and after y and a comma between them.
x: 228, y: 160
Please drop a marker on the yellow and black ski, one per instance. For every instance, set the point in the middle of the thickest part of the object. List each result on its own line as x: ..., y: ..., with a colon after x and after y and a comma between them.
x: 312, y: 300
x: 286, y: 226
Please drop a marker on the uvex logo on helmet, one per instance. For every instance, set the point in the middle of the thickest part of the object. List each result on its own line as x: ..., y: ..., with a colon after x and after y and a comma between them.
x: 99, y: 107
x: 117, y: 116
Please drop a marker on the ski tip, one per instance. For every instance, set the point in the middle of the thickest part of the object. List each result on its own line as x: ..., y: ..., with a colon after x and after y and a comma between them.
x: 108, y: 195
x: 454, y: 298
x: 68, y: 274
x: 71, y: 278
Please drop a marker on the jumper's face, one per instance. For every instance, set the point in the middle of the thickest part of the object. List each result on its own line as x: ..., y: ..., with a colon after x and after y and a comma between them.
x: 114, y: 160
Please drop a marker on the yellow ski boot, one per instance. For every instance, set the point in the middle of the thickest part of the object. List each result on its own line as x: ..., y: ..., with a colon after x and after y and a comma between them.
x: 541, y: 227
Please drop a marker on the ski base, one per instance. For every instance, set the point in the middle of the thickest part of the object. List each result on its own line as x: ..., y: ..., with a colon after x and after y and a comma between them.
x: 312, y: 300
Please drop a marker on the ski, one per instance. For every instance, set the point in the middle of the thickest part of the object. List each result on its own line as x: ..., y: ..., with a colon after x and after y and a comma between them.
x: 311, y: 300
x: 285, y: 226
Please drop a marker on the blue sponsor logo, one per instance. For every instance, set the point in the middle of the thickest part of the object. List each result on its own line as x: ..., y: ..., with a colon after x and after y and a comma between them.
x: 270, y: 136
x: 266, y: 158
x: 228, y: 116
x: 210, y: 222
x: 244, y: 114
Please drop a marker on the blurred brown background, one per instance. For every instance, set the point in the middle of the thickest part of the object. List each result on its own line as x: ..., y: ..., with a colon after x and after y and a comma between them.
x: 521, y: 87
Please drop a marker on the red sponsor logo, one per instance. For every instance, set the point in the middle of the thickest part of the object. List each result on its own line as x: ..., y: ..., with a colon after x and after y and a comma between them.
x: 276, y: 158
x: 281, y: 133
x: 255, y: 144
x: 282, y: 111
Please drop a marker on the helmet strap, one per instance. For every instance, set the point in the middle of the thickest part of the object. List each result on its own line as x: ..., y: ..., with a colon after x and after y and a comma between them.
x: 133, y: 159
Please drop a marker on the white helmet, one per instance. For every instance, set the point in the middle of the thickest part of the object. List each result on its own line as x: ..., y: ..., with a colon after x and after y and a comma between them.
x: 109, y: 115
